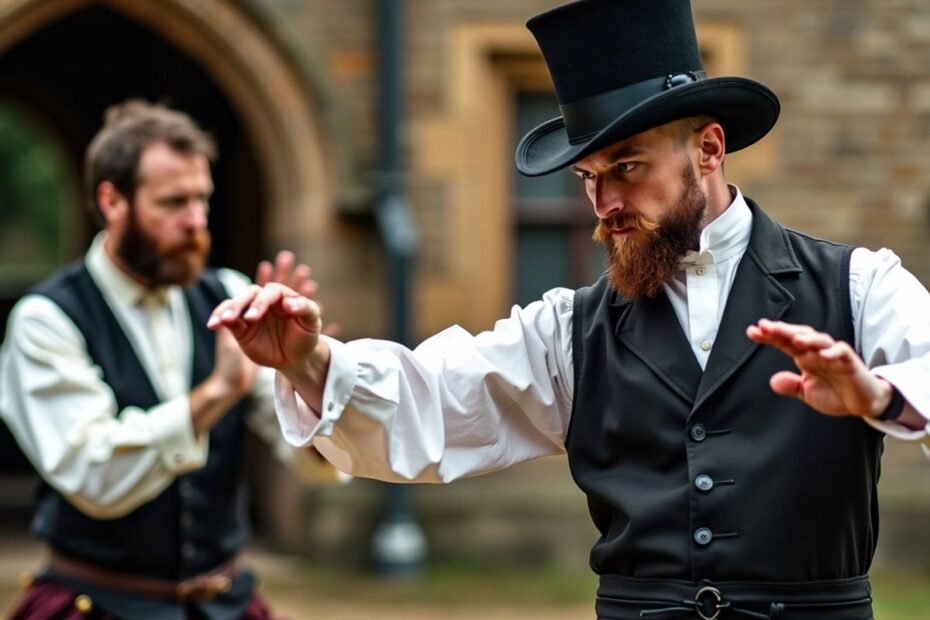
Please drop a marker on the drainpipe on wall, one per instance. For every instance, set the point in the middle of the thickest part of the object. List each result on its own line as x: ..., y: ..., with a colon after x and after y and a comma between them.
x: 398, y: 546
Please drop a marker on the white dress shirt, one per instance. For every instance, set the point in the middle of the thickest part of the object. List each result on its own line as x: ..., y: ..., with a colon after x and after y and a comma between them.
x: 459, y: 405
x: 54, y: 399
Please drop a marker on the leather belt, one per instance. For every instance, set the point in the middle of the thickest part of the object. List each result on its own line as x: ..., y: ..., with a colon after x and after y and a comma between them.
x: 668, y: 599
x: 198, y: 589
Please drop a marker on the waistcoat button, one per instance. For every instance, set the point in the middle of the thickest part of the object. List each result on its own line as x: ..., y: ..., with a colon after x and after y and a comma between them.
x: 703, y: 536
x: 704, y: 482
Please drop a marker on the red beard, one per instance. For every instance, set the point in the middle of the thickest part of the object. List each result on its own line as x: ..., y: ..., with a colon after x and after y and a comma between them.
x: 181, y: 263
x: 640, y: 263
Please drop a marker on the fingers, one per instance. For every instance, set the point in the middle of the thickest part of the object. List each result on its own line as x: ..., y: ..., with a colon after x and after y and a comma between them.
x: 284, y: 268
x: 793, y: 340
x: 249, y: 306
x: 807, y: 346
x: 288, y: 272
x: 787, y: 384
x: 332, y: 329
x: 298, y: 305
x: 769, y: 332
x: 263, y: 273
x: 307, y: 287
x: 267, y: 296
x: 231, y: 310
x: 839, y: 352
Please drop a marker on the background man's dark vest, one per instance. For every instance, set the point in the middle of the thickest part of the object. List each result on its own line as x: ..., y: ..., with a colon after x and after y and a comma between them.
x: 710, y: 475
x: 196, y: 523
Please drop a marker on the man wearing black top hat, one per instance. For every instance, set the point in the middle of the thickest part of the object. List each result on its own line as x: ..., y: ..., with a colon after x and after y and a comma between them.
x: 715, y: 496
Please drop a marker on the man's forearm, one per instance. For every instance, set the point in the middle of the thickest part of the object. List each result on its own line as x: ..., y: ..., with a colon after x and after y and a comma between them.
x: 209, y: 401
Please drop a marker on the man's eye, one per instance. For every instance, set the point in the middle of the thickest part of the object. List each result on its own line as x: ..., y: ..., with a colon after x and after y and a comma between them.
x: 173, y: 202
x: 626, y: 166
x: 584, y: 175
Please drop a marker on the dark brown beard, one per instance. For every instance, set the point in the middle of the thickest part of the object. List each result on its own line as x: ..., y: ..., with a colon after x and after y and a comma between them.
x: 639, y: 264
x: 182, y: 263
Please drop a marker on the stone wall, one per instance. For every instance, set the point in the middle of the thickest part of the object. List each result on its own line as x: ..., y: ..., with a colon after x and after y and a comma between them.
x: 852, y: 160
x: 849, y: 160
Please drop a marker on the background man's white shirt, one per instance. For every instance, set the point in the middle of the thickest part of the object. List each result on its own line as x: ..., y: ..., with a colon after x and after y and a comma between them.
x: 64, y: 416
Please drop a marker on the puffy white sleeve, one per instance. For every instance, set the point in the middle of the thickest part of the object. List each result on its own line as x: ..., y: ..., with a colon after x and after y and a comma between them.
x: 458, y: 405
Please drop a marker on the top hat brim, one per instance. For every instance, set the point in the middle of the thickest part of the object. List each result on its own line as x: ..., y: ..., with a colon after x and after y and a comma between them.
x: 746, y: 109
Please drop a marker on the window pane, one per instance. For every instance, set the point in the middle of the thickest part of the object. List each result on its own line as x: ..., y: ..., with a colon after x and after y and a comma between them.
x: 33, y: 202
x: 534, y: 109
x: 543, y: 261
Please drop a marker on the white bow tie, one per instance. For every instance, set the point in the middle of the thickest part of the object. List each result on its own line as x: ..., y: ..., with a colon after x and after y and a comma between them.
x: 693, y: 258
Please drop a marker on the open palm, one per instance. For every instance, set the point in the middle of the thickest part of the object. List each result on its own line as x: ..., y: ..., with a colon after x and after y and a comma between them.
x: 835, y: 386
x: 833, y: 379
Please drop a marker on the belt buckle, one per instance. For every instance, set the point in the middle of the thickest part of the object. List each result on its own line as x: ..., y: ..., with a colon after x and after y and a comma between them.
x: 707, y: 596
x: 203, y: 589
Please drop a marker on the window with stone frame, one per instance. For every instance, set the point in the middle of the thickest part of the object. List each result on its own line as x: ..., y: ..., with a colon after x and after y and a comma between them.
x: 552, y: 219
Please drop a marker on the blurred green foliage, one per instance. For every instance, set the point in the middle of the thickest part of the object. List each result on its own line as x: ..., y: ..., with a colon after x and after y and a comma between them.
x: 33, y: 199
x: 901, y: 594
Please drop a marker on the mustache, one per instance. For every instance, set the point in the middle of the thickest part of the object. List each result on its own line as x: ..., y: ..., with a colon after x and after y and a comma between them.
x: 198, y: 242
x: 633, y: 221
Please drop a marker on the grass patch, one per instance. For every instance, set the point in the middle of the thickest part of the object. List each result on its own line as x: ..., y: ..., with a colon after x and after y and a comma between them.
x: 898, y: 595
x: 450, y: 583
x: 901, y: 595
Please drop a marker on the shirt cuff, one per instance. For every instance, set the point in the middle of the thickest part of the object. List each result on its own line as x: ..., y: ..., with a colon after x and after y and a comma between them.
x: 299, y: 422
x: 180, y: 448
x: 898, y: 375
x: 897, y: 430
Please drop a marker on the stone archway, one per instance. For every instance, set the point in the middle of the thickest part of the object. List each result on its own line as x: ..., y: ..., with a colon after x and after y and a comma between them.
x: 281, y: 150
x: 272, y: 86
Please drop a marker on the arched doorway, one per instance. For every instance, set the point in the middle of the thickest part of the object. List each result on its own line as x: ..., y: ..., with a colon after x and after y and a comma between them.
x: 62, y: 63
x: 70, y: 71
x: 64, y: 76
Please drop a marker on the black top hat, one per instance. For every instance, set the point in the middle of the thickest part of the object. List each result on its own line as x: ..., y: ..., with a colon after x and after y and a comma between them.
x: 621, y: 67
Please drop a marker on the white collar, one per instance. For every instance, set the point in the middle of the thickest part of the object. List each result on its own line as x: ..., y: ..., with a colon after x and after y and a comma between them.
x: 725, y: 237
x: 116, y: 284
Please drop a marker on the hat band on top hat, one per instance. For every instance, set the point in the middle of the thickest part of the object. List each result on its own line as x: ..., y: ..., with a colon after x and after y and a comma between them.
x: 584, y: 119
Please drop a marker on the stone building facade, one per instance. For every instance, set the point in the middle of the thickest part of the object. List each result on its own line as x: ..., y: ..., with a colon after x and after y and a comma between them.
x: 297, y: 83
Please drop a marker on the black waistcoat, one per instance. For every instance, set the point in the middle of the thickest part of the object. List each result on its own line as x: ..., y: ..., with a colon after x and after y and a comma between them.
x: 196, y: 523
x: 710, y: 475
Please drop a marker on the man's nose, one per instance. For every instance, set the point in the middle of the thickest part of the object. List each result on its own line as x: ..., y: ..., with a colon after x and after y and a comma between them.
x: 195, y: 216
x: 607, y: 198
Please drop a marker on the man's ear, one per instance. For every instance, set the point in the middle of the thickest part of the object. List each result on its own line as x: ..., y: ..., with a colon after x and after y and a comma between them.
x: 711, y: 144
x: 112, y: 204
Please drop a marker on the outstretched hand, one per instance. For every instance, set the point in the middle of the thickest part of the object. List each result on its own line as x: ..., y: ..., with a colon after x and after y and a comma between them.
x: 833, y: 379
x: 274, y: 325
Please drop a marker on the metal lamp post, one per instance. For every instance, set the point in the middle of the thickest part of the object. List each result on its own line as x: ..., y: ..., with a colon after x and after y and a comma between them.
x: 398, y: 546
